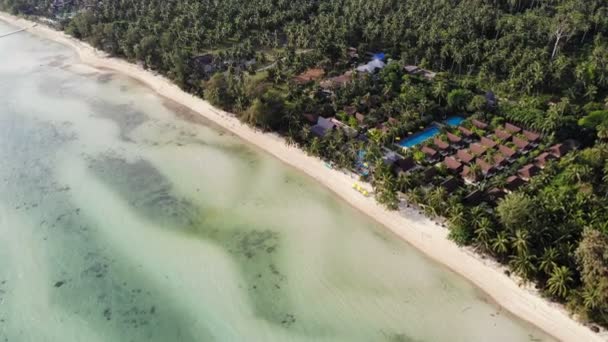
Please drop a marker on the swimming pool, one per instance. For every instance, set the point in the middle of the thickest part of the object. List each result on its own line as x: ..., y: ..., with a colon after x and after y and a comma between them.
x: 428, y: 133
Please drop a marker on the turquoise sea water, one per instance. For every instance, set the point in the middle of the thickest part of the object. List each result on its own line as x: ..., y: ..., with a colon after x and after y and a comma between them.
x: 124, y: 217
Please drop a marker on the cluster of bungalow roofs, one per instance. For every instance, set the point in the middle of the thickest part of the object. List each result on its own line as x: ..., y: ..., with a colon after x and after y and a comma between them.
x: 470, y: 154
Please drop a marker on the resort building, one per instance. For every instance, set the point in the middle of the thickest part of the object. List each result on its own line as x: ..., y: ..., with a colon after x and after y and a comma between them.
x: 528, y: 171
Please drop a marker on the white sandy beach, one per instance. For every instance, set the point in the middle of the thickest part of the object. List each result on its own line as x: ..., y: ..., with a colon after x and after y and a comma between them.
x: 417, y: 230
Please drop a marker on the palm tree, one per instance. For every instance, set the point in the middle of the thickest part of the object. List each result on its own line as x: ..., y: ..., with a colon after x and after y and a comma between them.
x: 559, y: 281
x: 520, y: 242
x: 548, y: 261
x: 523, y: 265
x: 500, y: 244
x: 591, y: 297
x: 483, y: 233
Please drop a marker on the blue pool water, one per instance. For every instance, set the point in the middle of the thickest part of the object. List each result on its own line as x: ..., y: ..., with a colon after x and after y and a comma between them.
x: 428, y: 133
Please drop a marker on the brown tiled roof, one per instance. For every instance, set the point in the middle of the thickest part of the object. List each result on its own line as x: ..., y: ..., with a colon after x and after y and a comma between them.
x: 454, y: 138
x: 559, y: 150
x: 479, y: 124
x: 512, y: 128
x: 531, y: 136
x: 485, y: 167
x: 507, y: 152
x: 520, y: 143
x: 487, y: 142
x: 466, y: 173
x: 360, y: 117
x: 543, y: 158
x: 442, y: 145
x: 528, y: 171
x: 451, y: 163
x: 428, y: 151
x: 465, y: 131
x: 499, y: 159
x: 464, y: 156
x: 502, y: 135
x: 309, y: 75
x: 477, y: 149
x: 513, y: 183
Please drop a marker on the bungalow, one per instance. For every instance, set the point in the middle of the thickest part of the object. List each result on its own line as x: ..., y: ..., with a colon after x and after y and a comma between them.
x: 464, y: 156
x: 487, y: 142
x: 479, y: 124
x: 468, y: 176
x: 372, y: 66
x: 543, y: 158
x: 528, y: 172
x: 309, y: 75
x: 474, y: 198
x: 559, y: 150
x: 450, y: 185
x: 486, y: 167
x: 495, y: 194
x: 502, y: 135
x: 513, y: 183
x: 405, y: 165
x: 415, y: 70
x: 454, y: 139
x: 323, y: 126
x: 521, y: 144
x: 443, y: 146
x: 512, y: 128
x: 500, y: 161
x: 467, y: 133
x: 477, y: 149
x: 452, y: 164
x: 509, y: 153
x: 429, y: 174
x: 431, y: 154
x: 532, y: 137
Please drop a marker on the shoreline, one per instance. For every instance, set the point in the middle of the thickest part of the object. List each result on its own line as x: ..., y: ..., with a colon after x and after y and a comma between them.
x: 417, y: 230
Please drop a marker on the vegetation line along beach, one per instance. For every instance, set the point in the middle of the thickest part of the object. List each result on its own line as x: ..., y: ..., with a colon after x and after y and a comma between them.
x: 460, y: 154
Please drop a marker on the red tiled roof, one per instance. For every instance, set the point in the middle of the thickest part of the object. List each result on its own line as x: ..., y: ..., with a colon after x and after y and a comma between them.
x: 464, y: 156
x: 520, y: 143
x: 467, y: 174
x: 465, y: 131
x: 428, y: 151
x: 479, y: 124
x: 512, y: 128
x: 442, y: 145
x: 360, y: 117
x: 502, y: 135
x: 507, y: 152
x: 543, y: 158
x: 487, y: 142
x: 337, y: 81
x: 477, y: 148
x: 451, y: 163
x: 528, y: 171
x: 513, y: 183
x: 499, y: 159
x: 531, y: 136
x: 559, y: 150
x: 485, y: 167
x: 454, y: 138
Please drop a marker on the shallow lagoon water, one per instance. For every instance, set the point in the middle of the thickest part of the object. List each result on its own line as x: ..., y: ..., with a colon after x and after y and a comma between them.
x: 125, y: 218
